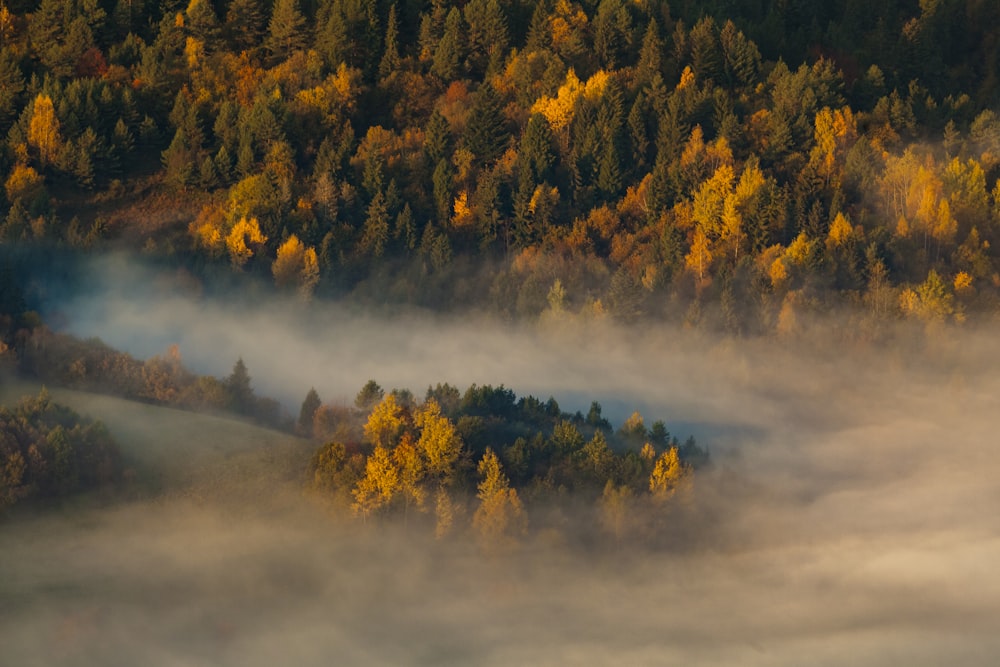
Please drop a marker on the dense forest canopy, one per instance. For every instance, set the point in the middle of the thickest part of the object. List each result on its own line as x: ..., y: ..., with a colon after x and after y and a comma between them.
x: 734, y: 162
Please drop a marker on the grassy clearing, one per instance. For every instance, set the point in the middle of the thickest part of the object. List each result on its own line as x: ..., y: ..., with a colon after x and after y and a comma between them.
x: 177, y: 452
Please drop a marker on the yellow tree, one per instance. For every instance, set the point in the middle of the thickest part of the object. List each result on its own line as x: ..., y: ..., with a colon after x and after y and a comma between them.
x: 386, y: 423
x: 296, y: 265
x: 840, y: 232
x: 243, y: 239
x: 439, y: 442
x: 407, y: 460
x: 699, y: 259
x: 379, y: 486
x: 43, y: 130
x: 835, y: 132
x: 669, y: 474
x: 500, y: 517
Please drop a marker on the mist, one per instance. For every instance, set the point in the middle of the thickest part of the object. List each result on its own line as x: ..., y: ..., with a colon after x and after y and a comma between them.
x: 849, y: 514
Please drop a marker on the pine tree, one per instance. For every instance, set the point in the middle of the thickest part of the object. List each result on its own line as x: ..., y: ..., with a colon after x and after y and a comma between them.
x: 450, y: 52
x: 239, y: 393
x: 486, y: 133
x: 286, y: 30
x: 307, y: 412
x: 390, y: 55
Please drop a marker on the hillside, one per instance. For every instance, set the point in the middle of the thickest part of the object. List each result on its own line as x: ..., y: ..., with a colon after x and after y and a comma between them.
x: 177, y: 452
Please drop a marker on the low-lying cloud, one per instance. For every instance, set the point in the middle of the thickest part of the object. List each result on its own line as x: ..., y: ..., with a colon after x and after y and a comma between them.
x: 850, y: 515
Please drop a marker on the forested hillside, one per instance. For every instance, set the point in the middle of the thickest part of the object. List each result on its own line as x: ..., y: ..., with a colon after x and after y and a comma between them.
x: 738, y: 162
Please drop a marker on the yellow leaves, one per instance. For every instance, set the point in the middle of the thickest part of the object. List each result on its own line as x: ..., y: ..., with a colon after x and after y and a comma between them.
x: 381, y: 482
x: 208, y: 229
x: 669, y: 475
x: 687, y: 78
x: 963, y: 283
x: 835, y: 132
x: 194, y: 52
x: 386, y: 423
x: 902, y: 228
x: 699, y: 259
x: 296, y: 265
x: 565, y: 24
x: 462, y: 215
x: 337, y: 94
x: 647, y: 453
x: 945, y: 226
x: 709, y: 201
x: 840, y: 232
x: 559, y: 110
x: 800, y: 250
x: 242, y: 239
x: 23, y: 183
x: 500, y: 517
x: 778, y: 273
x: 439, y: 442
x: 43, y: 130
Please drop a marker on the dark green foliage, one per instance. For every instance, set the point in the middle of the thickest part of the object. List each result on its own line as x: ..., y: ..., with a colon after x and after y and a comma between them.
x: 369, y: 396
x: 310, y: 404
x: 486, y: 133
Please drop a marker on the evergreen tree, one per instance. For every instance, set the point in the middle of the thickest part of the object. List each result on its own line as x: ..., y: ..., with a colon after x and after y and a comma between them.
x: 450, y: 52
x: 486, y: 133
x: 286, y: 30
x: 306, y: 413
x: 390, y: 55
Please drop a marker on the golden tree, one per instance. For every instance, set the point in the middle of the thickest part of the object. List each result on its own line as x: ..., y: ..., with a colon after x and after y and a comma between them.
x: 439, y: 442
x: 243, y: 238
x: 669, y: 474
x: 500, y: 517
x: 386, y: 423
x: 379, y: 486
x: 43, y: 130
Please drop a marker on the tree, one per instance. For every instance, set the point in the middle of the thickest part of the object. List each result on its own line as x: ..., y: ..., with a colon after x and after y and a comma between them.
x: 486, y: 132
x: 296, y: 265
x: 406, y: 456
x: 449, y: 54
x: 500, y: 517
x: 243, y: 238
x: 386, y: 423
x: 380, y: 484
x: 245, y: 24
x: 390, y: 55
x: 239, y: 394
x: 286, y: 30
x: 439, y: 442
x: 669, y: 474
x: 308, y: 411
x: 43, y: 130
x: 369, y: 396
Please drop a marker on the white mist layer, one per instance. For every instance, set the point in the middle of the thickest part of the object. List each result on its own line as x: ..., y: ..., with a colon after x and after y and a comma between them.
x: 851, y: 515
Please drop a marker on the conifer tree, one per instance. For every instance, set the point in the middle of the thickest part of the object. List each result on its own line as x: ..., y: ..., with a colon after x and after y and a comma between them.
x: 486, y: 132
x: 286, y: 30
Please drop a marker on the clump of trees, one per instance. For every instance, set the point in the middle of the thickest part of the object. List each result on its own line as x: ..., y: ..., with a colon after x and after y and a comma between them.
x: 48, y: 451
x: 482, y: 460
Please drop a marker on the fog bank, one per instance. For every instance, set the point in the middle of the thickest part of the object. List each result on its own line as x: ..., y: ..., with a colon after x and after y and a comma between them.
x: 850, y: 515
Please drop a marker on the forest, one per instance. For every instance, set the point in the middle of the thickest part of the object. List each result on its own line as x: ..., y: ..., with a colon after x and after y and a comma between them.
x: 733, y: 165
x: 749, y: 245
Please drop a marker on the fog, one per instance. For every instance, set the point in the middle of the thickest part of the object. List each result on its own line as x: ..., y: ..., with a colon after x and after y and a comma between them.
x: 850, y: 515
